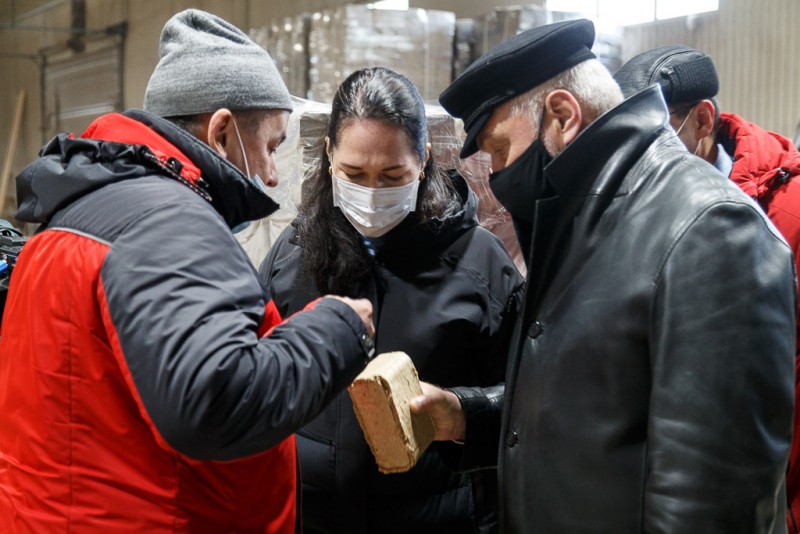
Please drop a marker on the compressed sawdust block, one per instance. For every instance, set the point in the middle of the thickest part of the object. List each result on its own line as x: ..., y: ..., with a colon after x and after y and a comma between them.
x: 381, y: 396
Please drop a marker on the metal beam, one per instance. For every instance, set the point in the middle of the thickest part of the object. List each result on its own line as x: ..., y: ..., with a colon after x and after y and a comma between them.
x: 35, y: 11
x: 30, y: 57
x: 12, y: 26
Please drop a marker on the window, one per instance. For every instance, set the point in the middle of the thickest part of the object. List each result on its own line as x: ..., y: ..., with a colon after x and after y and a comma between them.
x: 626, y: 12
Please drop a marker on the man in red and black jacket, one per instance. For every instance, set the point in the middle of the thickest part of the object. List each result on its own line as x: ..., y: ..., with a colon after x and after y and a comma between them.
x: 764, y: 164
x: 147, y: 383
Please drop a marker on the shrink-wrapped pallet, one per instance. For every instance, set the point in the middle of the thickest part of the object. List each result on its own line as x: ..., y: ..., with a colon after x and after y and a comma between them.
x: 415, y: 42
x: 286, y: 40
x: 465, y: 45
x: 504, y: 22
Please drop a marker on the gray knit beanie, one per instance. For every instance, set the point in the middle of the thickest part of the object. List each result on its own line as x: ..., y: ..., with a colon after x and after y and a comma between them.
x: 207, y: 64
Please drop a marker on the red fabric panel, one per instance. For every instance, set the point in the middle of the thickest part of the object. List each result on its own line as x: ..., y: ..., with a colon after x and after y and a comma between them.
x: 78, y: 451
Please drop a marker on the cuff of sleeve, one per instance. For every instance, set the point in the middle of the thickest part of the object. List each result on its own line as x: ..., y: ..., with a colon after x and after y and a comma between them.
x: 354, y: 321
x: 482, y: 410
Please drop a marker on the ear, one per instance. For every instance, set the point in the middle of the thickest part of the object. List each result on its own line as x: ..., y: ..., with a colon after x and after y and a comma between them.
x: 219, y: 134
x: 563, y: 117
x: 427, y: 154
x: 704, y: 114
x: 328, y: 147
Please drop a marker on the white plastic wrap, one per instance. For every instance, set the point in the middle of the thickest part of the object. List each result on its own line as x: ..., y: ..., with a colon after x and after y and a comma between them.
x: 286, y: 41
x: 415, y: 42
x: 503, y: 22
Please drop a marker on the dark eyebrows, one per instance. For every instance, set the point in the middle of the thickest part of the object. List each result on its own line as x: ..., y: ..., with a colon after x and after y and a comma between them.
x: 357, y: 168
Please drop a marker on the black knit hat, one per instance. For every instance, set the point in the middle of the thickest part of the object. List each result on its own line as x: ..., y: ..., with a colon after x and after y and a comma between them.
x: 686, y: 75
x: 513, y: 67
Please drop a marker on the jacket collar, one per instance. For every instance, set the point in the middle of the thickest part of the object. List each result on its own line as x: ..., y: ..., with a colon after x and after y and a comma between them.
x: 233, y: 195
x: 119, y: 147
x: 412, y: 235
x: 600, y: 157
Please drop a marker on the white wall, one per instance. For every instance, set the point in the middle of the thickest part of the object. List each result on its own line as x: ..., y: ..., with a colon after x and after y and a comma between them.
x: 756, y: 50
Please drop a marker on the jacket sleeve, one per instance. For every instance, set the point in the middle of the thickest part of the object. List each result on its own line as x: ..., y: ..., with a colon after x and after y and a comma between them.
x: 184, y: 306
x: 482, y: 410
x: 722, y: 347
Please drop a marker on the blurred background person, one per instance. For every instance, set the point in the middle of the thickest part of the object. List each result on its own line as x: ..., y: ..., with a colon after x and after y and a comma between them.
x: 381, y: 221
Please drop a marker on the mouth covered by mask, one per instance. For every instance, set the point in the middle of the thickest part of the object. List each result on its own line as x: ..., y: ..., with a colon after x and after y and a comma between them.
x: 255, y: 179
x: 373, y: 212
x: 519, y: 186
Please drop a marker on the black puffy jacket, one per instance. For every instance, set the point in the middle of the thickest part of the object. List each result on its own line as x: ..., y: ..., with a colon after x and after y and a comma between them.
x: 448, y: 299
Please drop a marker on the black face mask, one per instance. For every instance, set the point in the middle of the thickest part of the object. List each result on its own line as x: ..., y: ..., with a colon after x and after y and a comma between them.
x: 519, y: 186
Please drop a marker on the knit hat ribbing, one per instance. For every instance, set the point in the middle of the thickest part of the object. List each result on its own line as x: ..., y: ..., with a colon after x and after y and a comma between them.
x: 207, y: 64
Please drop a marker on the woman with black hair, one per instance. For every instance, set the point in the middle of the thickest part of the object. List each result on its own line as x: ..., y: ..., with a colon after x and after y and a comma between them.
x: 380, y: 221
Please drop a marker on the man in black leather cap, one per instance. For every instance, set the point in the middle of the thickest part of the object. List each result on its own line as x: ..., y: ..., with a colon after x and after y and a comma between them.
x: 650, y: 383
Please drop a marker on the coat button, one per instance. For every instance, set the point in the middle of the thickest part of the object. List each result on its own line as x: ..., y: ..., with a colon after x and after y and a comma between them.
x: 511, y: 438
x: 535, y: 330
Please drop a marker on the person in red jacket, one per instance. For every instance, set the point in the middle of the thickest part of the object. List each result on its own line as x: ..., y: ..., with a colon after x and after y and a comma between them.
x: 764, y: 164
x: 147, y: 382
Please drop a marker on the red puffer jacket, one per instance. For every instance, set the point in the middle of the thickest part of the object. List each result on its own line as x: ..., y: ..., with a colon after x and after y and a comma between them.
x: 767, y: 167
x: 138, y: 390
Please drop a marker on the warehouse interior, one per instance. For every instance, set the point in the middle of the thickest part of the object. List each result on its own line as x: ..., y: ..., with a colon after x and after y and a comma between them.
x: 65, y: 62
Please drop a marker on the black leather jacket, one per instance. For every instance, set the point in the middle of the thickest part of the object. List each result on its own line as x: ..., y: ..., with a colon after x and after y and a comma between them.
x: 650, y: 381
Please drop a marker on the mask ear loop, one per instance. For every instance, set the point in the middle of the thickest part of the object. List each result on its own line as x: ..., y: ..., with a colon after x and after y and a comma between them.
x: 685, y: 119
x: 241, y: 146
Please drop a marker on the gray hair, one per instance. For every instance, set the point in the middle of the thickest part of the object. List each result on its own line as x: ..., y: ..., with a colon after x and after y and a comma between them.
x: 589, y: 82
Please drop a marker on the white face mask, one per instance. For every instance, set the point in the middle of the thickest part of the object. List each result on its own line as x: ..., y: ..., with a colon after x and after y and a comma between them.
x: 680, y: 128
x: 373, y: 212
x: 255, y: 179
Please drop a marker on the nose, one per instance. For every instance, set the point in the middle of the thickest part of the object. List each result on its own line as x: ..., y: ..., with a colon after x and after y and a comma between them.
x: 271, y: 179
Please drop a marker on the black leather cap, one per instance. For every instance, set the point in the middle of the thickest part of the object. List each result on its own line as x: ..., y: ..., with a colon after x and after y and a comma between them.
x: 513, y: 67
x: 686, y: 75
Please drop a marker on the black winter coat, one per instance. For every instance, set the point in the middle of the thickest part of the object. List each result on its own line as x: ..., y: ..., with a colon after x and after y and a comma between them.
x: 650, y: 382
x: 448, y: 299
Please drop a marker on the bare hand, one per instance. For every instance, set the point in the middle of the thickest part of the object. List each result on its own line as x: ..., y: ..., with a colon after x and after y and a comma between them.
x: 362, y: 307
x: 444, y: 408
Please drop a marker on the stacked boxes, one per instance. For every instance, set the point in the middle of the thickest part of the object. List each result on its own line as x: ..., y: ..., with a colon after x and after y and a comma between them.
x: 287, y: 43
x: 503, y: 22
x: 415, y: 42
x: 315, y: 53
x: 464, y: 46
